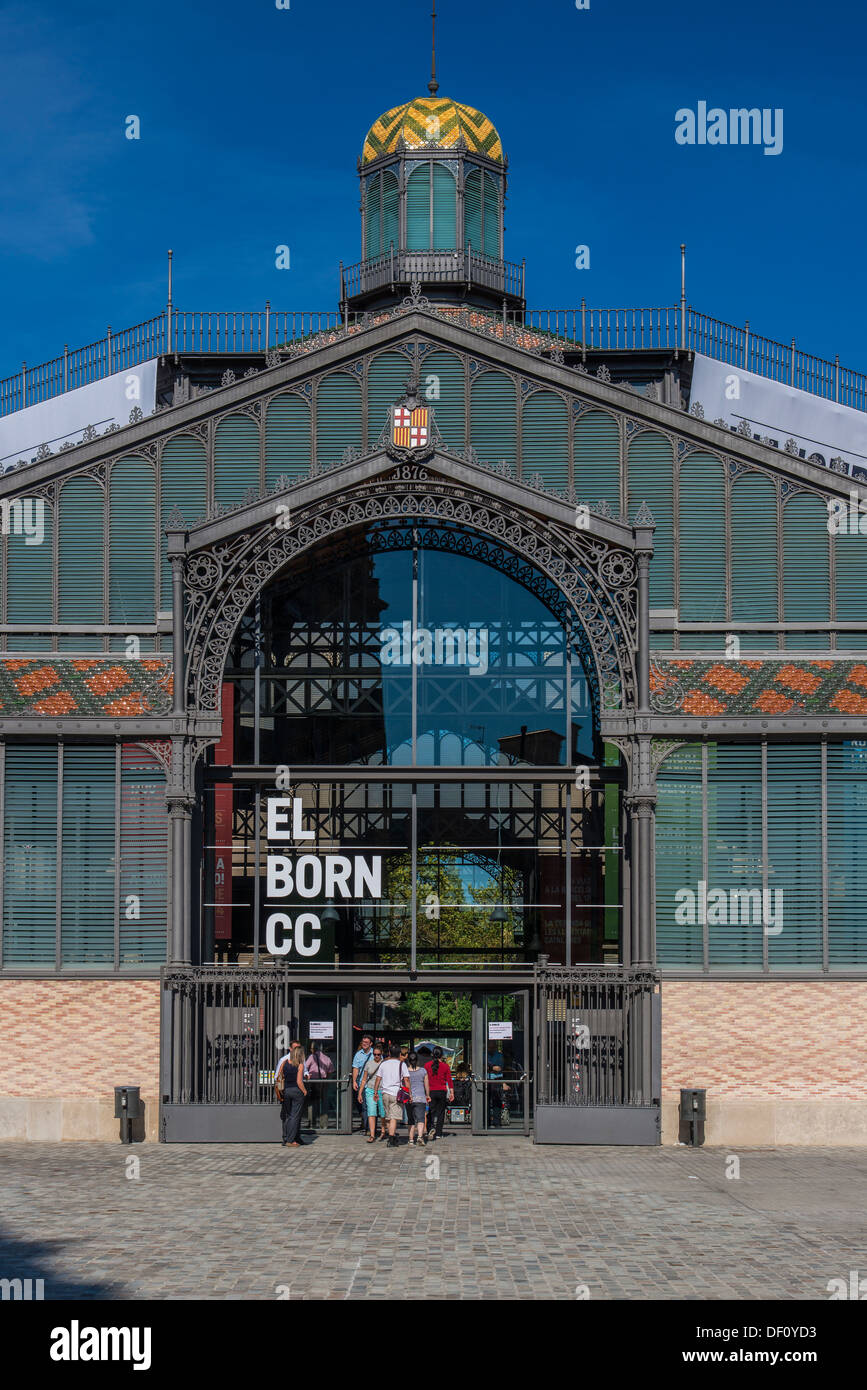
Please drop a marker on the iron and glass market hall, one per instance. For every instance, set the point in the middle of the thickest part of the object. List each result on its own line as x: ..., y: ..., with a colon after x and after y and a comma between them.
x: 434, y: 670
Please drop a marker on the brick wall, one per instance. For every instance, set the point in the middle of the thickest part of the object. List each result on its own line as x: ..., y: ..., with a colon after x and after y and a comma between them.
x: 88, y: 1035
x: 801, y: 1041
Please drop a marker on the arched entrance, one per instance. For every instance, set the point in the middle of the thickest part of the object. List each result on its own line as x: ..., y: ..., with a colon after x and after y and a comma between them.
x: 410, y: 794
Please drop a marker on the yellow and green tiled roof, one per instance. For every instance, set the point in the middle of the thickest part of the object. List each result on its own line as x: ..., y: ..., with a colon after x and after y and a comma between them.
x: 725, y: 687
x: 432, y: 121
x: 89, y: 686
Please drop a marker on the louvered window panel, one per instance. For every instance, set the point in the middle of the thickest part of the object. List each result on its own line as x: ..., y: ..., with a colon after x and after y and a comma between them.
x: 597, y: 459
x: 386, y: 383
x: 418, y: 209
x: 287, y: 439
x: 491, y: 213
x: 81, y: 552
x: 795, y: 854
x: 236, y: 459
x: 338, y: 418
x: 851, y: 580
x: 679, y: 942
x: 88, y: 857
x: 183, y: 485
x: 132, y: 542
x: 754, y: 557
x: 847, y: 859
x: 442, y: 384
x: 701, y: 521
x: 651, y: 472
x: 30, y: 855
x: 493, y: 417
x: 805, y: 559
x: 444, y: 209
x: 373, y: 218
x: 81, y: 560
x: 545, y: 438
x: 734, y: 834
x: 143, y: 858
x: 473, y: 211
x: 390, y: 211
x: 30, y: 580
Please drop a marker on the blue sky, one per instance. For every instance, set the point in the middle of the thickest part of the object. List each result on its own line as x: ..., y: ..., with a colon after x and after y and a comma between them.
x: 252, y: 119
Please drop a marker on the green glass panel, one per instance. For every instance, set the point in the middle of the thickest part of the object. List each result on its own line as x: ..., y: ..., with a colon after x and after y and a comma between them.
x: 338, y: 418
x: 701, y: 521
x: 30, y: 855
x: 418, y: 229
x: 236, y: 459
x: 805, y: 558
x: 88, y: 883
x: 183, y: 484
x: 442, y: 384
x: 287, y: 438
x: 444, y: 209
x: 651, y: 470
x: 545, y: 438
x: 492, y: 417
x: 132, y: 542
x: 81, y: 552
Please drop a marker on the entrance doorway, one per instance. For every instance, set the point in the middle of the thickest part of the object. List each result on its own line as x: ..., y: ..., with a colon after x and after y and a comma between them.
x: 485, y: 1039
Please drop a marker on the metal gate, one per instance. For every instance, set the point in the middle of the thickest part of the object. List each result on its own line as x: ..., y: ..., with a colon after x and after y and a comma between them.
x: 599, y: 1060
x: 222, y: 1030
x: 596, y: 1077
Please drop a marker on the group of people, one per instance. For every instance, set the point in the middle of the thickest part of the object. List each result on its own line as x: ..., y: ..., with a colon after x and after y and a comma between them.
x: 293, y: 1072
x: 417, y: 1085
x: 391, y: 1083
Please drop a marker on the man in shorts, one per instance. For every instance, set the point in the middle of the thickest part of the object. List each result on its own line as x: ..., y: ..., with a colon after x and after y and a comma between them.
x: 359, y: 1061
x: 388, y: 1081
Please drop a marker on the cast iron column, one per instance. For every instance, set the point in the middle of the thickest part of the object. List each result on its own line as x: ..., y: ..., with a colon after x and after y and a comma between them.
x: 642, y: 800
x: 179, y: 795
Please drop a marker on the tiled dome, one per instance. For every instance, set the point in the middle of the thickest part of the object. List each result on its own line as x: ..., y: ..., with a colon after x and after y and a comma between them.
x: 434, y: 121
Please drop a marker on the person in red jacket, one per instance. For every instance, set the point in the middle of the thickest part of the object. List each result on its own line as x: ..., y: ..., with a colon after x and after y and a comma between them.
x: 441, y: 1091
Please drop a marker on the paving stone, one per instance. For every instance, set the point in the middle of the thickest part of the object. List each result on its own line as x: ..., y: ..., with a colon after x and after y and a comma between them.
x: 505, y: 1219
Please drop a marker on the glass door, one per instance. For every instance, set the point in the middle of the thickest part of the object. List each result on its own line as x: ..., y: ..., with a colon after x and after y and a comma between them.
x: 501, y: 1053
x: 323, y: 1026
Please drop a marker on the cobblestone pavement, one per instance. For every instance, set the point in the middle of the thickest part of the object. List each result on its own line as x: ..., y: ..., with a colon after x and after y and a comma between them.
x: 503, y: 1219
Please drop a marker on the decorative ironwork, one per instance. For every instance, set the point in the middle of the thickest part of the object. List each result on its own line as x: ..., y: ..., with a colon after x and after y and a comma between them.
x: 666, y: 692
x: 562, y: 565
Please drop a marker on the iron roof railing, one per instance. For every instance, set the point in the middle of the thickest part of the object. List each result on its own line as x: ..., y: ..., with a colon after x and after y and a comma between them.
x: 594, y: 330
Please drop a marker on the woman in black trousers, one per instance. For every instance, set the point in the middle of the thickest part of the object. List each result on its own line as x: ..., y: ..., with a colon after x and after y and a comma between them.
x: 294, y: 1096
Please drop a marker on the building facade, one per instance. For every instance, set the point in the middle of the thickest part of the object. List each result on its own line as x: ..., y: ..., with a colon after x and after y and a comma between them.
x: 445, y: 675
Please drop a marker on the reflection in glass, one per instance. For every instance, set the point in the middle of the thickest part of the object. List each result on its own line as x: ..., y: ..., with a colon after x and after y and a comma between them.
x: 335, y: 655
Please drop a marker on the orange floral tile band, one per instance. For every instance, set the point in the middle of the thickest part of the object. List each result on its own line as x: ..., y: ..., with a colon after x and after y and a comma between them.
x: 90, y: 686
x: 707, y: 688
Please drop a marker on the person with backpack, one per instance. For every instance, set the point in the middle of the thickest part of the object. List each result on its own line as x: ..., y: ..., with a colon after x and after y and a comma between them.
x: 292, y: 1093
x: 419, y: 1095
x: 388, y: 1080
x: 374, y: 1106
x: 441, y: 1090
x: 360, y: 1060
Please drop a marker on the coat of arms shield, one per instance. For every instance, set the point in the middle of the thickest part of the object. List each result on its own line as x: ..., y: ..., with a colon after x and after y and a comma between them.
x: 411, y: 433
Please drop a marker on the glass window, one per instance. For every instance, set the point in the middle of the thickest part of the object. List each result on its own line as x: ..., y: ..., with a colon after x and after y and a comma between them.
x: 400, y: 658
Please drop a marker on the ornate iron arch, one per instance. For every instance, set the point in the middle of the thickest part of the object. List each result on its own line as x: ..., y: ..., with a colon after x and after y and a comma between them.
x: 587, y: 582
